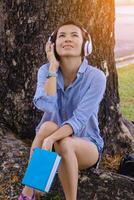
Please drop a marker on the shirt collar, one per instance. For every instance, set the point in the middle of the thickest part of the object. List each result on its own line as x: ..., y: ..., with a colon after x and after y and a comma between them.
x: 83, y: 66
x: 81, y: 70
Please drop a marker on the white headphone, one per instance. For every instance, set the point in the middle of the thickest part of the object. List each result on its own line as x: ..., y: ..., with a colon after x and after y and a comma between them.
x: 88, y: 44
x: 88, y: 47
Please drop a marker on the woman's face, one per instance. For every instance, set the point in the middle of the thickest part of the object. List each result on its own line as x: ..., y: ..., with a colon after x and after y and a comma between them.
x: 69, y: 41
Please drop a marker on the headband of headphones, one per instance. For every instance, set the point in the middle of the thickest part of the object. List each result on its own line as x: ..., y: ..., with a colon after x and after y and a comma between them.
x: 87, y: 46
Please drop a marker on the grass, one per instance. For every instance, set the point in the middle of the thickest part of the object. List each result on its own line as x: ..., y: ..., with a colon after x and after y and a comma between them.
x: 126, y: 91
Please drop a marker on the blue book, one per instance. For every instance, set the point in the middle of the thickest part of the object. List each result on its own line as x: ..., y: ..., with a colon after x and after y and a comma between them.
x: 41, y: 169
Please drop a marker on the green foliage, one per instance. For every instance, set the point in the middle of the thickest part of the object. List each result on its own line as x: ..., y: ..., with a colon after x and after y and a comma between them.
x: 126, y: 91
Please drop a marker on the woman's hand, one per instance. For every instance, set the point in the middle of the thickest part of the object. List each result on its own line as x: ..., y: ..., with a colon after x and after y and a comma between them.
x: 48, y: 143
x: 51, y: 56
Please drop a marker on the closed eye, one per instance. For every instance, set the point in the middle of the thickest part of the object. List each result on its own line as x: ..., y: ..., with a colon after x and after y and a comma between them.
x: 75, y: 35
x: 61, y: 35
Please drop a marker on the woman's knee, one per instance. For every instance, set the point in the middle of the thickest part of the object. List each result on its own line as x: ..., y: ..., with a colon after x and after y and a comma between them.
x: 47, y: 128
x: 63, y: 146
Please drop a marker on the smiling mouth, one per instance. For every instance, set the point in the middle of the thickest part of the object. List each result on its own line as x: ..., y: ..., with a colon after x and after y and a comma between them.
x: 67, y: 46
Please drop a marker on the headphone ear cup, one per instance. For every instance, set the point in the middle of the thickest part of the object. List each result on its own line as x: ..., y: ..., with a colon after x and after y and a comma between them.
x: 51, y: 39
x: 88, y: 48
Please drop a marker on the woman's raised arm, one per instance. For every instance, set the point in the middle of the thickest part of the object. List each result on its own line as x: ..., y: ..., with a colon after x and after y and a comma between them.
x: 45, y: 97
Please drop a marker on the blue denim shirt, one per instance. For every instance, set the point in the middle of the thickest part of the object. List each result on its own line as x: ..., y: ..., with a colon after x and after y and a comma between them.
x: 77, y: 105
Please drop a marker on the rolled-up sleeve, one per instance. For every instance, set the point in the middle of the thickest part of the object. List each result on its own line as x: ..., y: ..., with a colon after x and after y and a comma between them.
x: 89, y: 103
x: 41, y: 100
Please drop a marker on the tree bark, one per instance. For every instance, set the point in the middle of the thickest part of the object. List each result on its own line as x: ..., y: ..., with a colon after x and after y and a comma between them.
x: 25, y: 27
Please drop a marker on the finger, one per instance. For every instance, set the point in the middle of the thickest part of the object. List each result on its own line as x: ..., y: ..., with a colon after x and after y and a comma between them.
x: 52, y: 47
x: 44, y: 146
x: 48, y: 45
x: 48, y: 50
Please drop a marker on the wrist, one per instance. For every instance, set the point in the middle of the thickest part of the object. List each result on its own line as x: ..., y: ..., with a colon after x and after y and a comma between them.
x: 51, y: 74
x: 52, y: 138
x: 53, y: 68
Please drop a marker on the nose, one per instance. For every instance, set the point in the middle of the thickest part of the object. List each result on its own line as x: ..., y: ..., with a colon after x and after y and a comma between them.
x: 68, y: 38
x: 68, y: 42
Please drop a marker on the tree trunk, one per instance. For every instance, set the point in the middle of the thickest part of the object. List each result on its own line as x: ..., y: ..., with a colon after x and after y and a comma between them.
x: 25, y: 27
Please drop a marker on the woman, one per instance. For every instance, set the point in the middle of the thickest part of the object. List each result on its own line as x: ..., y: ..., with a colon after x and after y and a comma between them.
x: 69, y: 92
